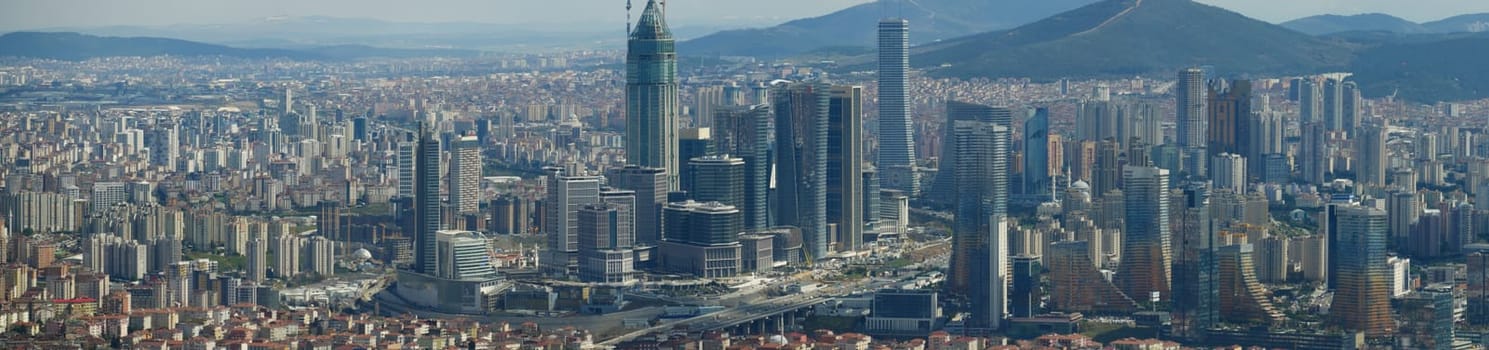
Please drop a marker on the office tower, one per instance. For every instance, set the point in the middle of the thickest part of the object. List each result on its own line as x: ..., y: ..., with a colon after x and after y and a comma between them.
x: 407, y: 152
x: 1313, y: 153
x: 743, y: 131
x: 1361, y: 278
x: 1190, y: 108
x: 1427, y: 319
x: 1333, y: 103
x: 427, y: 216
x: 1146, y: 249
x: 801, y: 161
x: 691, y: 143
x: 896, y: 143
x: 709, y: 246
x: 651, y: 95
x: 717, y: 179
x: 257, y: 260
x: 605, y: 242
x: 1108, y: 171
x: 1037, y: 152
x: 1310, y: 102
x: 650, y: 185
x: 980, y: 243
x: 1229, y: 172
x: 1195, y: 286
x: 1351, y: 105
x: 944, y: 187
x: 463, y: 255
x: 845, y: 166
x: 567, y: 193
x: 465, y: 174
x: 1026, y: 296
x: 1077, y: 286
x: 1371, y: 153
x: 1242, y: 298
x: 1229, y: 110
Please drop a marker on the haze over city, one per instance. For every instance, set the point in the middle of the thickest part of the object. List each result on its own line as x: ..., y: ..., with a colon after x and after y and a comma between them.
x: 744, y: 175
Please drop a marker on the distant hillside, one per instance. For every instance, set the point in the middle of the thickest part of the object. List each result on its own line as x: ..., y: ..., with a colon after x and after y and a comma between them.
x: 1128, y: 37
x: 1448, y: 70
x: 1370, y: 22
x: 1473, y: 23
x: 74, y: 46
x: 930, y: 20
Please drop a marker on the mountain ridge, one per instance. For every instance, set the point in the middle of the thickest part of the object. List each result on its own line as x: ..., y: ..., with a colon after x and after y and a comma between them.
x: 70, y: 46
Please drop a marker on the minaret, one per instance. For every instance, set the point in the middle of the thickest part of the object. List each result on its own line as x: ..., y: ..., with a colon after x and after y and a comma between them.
x: 651, y: 95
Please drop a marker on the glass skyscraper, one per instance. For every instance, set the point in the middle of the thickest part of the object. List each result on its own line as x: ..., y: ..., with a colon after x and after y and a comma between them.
x: 896, y: 144
x: 651, y: 95
x: 845, y: 165
x: 743, y: 131
x: 801, y: 162
x: 427, y: 216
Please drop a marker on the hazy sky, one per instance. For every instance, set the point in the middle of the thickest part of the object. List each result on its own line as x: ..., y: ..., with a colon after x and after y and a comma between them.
x: 31, y: 14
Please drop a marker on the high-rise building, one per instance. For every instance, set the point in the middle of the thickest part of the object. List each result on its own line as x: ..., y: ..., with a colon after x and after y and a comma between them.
x: 427, y: 215
x: 650, y: 185
x: 320, y: 256
x: 1146, y: 248
x: 463, y: 255
x: 801, y: 162
x: 1427, y: 319
x: 465, y: 174
x: 710, y: 247
x: 1195, y: 289
x: 1025, y: 294
x: 1352, y: 104
x: 944, y: 187
x: 980, y: 243
x: 1037, y: 151
x: 896, y: 143
x: 1310, y: 101
x: 257, y: 260
x: 691, y: 143
x: 328, y: 223
x: 287, y: 255
x: 566, y: 195
x: 1190, y: 108
x: 845, y: 166
x: 1333, y: 103
x: 1077, y: 286
x: 1361, y: 277
x: 1478, y: 287
x: 1107, y: 175
x: 717, y: 179
x: 407, y: 154
x: 1371, y: 152
x: 165, y: 144
x: 1229, y: 110
x: 651, y: 95
x: 1243, y: 299
x: 605, y: 242
x: 1228, y: 170
x: 743, y: 131
x: 1313, y: 153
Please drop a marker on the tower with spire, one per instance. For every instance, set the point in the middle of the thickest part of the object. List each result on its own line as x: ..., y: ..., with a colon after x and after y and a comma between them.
x: 651, y: 94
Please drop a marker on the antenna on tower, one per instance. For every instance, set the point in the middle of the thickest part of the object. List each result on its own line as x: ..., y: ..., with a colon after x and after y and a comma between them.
x: 628, y: 17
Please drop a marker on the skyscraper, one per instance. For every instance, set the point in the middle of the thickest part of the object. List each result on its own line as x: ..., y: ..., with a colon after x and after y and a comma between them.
x: 1195, y: 288
x: 651, y: 95
x: 257, y: 260
x: 407, y: 152
x: 845, y: 165
x: 1313, y: 153
x: 743, y: 131
x: 1229, y: 110
x: 1310, y: 101
x: 1025, y: 293
x: 566, y: 195
x: 1229, y: 172
x: 427, y: 218
x: 1190, y: 108
x: 691, y: 143
x: 1146, y: 249
x: 801, y: 161
x: 944, y: 187
x: 465, y: 174
x: 650, y: 185
x: 1333, y: 105
x: 1037, y: 175
x: 979, y: 264
x: 718, y: 179
x: 896, y: 146
x: 1362, y: 279
x: 1371, y: 152
x: 1350, y: 92
x: 605, y: 242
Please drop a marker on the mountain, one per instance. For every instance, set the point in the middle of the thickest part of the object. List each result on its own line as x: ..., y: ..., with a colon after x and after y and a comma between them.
x: 74, y: 46
x: 1128, y: 37
x: 930, y: 20
x: 1370, y: 22
x: 1473, y: 23
x: 1446, y: 70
